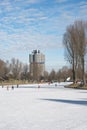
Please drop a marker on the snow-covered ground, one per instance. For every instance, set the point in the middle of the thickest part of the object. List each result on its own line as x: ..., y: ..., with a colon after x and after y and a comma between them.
x: 49, y: 107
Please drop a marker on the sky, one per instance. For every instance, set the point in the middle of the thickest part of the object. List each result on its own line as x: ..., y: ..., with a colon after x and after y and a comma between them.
x: 26, y: 25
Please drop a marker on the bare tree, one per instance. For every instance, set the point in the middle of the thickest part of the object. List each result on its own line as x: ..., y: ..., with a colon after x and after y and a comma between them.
x: 16, y: 68
x: 81, y: 29
x: 2, y: 64
x: 25, y: 72
x: 52, y: 75
x: 69, y: 41
x: 75, y: 44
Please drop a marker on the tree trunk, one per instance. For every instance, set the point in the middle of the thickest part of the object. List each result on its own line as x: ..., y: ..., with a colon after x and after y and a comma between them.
x: 83, y: 72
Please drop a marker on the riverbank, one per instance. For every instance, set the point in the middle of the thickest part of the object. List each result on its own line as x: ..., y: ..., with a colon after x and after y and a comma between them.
x: 15, y: 82
x: 76, y: 86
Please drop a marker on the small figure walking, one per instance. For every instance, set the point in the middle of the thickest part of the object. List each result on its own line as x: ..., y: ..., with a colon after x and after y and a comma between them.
x: 12, y: 87
x: 55, y: 85
x: 7, y: 87
x: 17, y: 86
x: 2, y: 86
x: 38, y: 86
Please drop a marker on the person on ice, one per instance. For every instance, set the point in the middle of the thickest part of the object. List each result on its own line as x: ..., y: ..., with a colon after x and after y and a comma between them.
x: 12, y: 87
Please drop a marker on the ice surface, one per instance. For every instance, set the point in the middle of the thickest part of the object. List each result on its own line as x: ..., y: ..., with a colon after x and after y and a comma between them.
x: 49, y: 107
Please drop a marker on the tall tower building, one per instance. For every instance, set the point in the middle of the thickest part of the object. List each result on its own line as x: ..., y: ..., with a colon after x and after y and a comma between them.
x: 37, y: 64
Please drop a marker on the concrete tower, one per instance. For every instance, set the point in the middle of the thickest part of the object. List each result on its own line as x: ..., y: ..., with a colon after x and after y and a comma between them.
x: 37, y: 64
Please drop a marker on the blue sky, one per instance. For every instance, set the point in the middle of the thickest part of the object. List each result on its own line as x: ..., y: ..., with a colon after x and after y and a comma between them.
x: 26, y: 25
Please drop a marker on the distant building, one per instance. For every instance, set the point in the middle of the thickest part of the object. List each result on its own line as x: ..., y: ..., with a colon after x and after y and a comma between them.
x: 37, y: 64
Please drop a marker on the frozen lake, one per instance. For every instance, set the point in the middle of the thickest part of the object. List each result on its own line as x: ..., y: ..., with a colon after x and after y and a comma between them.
x: 49, y: 107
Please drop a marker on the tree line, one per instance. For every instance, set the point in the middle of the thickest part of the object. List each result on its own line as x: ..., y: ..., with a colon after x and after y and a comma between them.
x: 13, y: 70
x: 17, y: 70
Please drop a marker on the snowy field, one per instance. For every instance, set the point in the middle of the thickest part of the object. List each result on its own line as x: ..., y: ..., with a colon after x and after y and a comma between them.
x: 49, y: 107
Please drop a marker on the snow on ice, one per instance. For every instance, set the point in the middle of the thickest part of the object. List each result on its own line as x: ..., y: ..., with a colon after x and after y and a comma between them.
x: 49, y: 107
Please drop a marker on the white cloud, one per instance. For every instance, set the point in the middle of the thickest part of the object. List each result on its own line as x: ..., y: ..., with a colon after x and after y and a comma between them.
x: 13, y: 45
x: 24, y: 29
x: 61, y: 1
x: 28, y: 1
